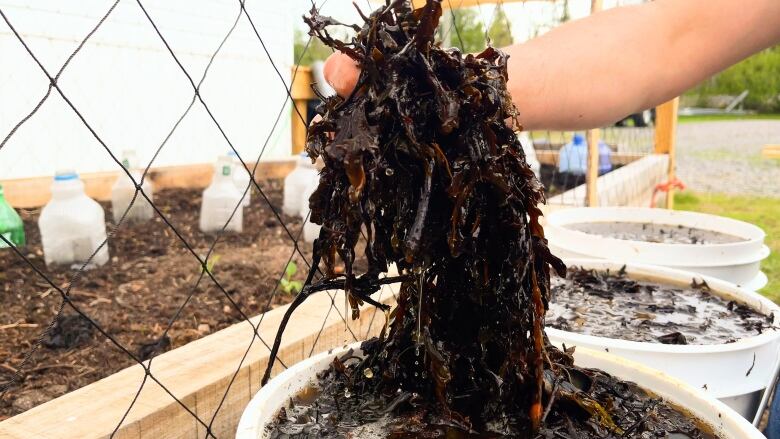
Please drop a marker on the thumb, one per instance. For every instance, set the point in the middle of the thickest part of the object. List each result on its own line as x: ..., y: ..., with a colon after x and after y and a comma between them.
x: 341, y: 72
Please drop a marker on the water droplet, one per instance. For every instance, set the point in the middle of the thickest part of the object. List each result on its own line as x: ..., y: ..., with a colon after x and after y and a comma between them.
x: 368, y: 373
x: 389, y: 172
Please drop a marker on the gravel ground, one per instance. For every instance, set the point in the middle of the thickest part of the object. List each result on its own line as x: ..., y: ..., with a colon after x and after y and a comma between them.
x: 725, y: 157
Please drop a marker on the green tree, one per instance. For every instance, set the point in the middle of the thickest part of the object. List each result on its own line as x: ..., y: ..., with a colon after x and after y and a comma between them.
x: 466, y: 33
x: 317, y: 51
x: 759, y: 74
x: 501, y: 29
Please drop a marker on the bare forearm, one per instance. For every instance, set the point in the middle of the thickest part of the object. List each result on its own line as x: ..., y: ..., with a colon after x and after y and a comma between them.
x: 594, y: 71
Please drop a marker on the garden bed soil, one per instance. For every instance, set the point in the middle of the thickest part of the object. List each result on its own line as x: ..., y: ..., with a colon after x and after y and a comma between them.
x: 610, y: 304
x: 133, y: 297
x: 658, y: 233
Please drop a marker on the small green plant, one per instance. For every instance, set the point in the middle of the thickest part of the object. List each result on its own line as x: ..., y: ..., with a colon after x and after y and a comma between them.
x: 287, y: 284
x: 211, y: 262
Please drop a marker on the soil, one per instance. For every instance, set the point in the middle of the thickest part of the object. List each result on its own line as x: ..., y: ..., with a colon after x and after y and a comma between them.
x: 651, y: 232
x: 133, y: 296
x: 610, y: 304
x: 329, y: 409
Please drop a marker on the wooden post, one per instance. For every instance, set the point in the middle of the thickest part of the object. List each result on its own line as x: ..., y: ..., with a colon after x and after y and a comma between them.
x: 665, y: 139
x: 592, y: 175
x: 301, y: 93
x: 592, y: 137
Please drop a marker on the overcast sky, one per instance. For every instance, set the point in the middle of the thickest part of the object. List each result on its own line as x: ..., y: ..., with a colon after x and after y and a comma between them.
x: 527, y: 17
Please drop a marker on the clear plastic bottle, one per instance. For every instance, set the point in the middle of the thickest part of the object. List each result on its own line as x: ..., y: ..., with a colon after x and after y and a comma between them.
x: 241, y: 178
x: 123, y: 191
x: 220, y: 200
x: 11, y: 226
x: 311, y: 231
x: 573, y: 156
x: 72, y: 225
x: 295, y: 183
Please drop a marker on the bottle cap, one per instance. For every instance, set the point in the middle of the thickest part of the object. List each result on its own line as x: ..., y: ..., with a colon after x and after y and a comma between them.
x: 578, y: 139
x: 65, y: 175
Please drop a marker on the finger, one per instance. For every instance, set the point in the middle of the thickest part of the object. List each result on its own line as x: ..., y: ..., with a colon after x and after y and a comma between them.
x: 341, y: 72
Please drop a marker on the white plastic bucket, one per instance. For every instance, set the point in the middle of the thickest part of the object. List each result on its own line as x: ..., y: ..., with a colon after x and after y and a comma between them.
x: 737, y: 262
x: 729, y: 425
x: 720, y: 370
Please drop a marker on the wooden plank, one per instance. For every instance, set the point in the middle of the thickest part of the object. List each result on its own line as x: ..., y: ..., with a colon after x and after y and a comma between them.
x: 197, y: 373
x: 666, y: 139
x: 35, y: 192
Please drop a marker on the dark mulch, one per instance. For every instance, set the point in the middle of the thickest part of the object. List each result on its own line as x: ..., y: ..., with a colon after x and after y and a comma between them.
x: 135, y: 295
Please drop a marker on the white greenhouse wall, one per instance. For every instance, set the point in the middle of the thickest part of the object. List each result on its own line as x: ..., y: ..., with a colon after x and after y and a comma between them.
x: 129, y: 88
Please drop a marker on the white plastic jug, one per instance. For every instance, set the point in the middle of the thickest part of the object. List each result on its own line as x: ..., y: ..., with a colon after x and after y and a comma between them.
x: 294, y: 184
x: 530, y: 152
x: 310, y: 230
x: 573, y: 156
x: 241, y: 178
x: 72, y: 225
x: 123, y: 191
x: 220, y: 200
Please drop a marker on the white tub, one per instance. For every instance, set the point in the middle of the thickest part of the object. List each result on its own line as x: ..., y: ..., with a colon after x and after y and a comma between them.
x: 737, y: 262
x: 719, y: 370
x: 728, y: 424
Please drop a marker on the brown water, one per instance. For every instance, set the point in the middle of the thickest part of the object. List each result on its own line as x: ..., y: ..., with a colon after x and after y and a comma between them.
x: 612, y: 305
x: 327, y: 410
x: 651, y: 232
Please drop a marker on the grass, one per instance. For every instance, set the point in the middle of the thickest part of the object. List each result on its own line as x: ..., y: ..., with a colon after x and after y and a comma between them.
x: 761, y: 211
x: 725, y: 117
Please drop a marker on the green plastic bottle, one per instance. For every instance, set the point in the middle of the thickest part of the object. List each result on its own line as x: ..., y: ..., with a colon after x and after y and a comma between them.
x: 11, y: 226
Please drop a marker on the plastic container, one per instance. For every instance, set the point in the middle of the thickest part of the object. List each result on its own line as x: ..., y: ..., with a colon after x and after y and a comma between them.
x: 266, y: 403
x: 241, y: 178
x: 530, y: 153
x: 11, y: 225
x: 725, y: 376
x: 573, y: 156
x: 295, y: 183
x: 605, y: 158
x: 123, y: 191
x: 72, y: 225
x: 220, y: 200
x: 311, y: 231
x: 737, y: 262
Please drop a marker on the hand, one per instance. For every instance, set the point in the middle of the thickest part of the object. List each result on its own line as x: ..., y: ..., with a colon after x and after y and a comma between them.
x: 341, y: 72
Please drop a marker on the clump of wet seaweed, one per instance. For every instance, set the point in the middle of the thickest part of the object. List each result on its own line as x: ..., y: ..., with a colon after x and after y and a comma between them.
x: 420, y: 158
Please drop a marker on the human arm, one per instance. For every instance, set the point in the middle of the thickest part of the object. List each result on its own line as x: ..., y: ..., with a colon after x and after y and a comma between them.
x: 594, y: 71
